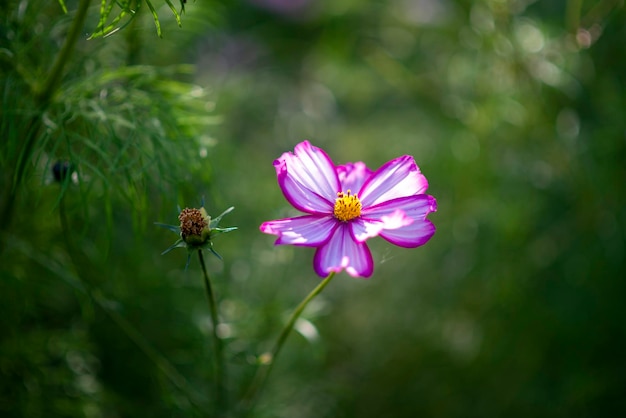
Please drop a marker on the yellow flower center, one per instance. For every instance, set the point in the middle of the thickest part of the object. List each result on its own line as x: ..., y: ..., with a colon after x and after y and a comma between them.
x: 347, y: 206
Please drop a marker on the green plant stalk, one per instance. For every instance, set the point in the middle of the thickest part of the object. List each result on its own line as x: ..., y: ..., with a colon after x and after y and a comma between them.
x: 44, y: 94
x: 264, y: 369
x: 164, y: 365
x: 599, y: 11
x: 95, y: 295
x: 572, y: 15
x: 43, y: 97
x: 220, y: 375
x: 47, y: 90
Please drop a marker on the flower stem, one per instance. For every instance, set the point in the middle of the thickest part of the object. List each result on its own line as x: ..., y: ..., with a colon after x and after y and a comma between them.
x: 220, y: 380
x: 75, y: 30
x: 266, y: 366
x: 43, y: 98
x: 43, y: 95
x: 572, y: 15
x: 95, y: 296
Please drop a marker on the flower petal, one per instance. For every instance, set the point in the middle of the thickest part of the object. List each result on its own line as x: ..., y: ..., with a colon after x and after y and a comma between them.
x: 342, y: 251
x: 352, y: 176
x: 398, y: 178
x: 411, y: 236
x: 364, y: 228
x: 308, y: 179
x: 306, y: 231
x: 415, y: 207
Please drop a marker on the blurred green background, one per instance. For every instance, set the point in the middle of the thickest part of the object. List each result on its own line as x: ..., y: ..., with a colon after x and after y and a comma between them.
x: 513, y: 109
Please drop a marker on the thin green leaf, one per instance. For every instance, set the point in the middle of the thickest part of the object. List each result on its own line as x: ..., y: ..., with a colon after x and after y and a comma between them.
x: 177, y: 244
x: 63, y: 6
x: 172, y: 228
x: 105, y: 11
x: 215, y: 221
x: 215, y: 253
x: 156, y: 18
x: 176, y: 15
x: 215, y: 231
x: 112, y: 27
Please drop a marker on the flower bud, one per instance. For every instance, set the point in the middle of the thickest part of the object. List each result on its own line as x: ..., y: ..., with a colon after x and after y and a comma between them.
x: 194, y: 226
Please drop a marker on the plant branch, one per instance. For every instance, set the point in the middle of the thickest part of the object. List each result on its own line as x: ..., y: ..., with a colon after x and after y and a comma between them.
x: 95, y: 295
x: 43, y: 97
x: 572, y: 15
x: 220, y: 380
x: 47, y: 90
x: 266, y: 366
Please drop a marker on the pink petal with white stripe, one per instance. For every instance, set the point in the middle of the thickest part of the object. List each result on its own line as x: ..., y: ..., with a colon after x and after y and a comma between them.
x: 306, y: 231
x: 343, y: 252
x: 397, y: 178
x: 364, y: 228
x: 411, y: 236
x: 352, y: 176
x: 414, y: 207
x: 308, y: 179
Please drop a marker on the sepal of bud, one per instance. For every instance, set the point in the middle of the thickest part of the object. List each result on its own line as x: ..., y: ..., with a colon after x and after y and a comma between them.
x: 196, y: 230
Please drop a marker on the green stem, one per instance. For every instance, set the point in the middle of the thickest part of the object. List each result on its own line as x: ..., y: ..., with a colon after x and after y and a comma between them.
x: 149, y: 351
x: 598, y: 12
x: 264, y: 369
x: 220, y: 380
x: 43, y: 98
x: 133, y: 39
x: 44, y: 95
x: 572, y: 15
x: 78, y: 284
x: 95, y: 295
x: 50, y: 85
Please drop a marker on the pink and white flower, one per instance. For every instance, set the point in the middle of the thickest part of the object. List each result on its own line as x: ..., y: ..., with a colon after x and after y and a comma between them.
x: 347, y: 204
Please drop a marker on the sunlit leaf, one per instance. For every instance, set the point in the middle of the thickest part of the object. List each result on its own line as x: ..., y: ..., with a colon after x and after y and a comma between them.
x: 63, y: 6
x: 156, y: 18
x: 176, y: 15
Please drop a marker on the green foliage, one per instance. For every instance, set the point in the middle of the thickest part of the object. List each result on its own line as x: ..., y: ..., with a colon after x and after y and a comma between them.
x: 513, y: 110
x: 127, y: 126
x: 63, y: 6
x: 112, y: 20
x: 126, y: 129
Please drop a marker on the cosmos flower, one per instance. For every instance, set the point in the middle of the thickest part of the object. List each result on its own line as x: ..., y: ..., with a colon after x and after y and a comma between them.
x: 347, y: 204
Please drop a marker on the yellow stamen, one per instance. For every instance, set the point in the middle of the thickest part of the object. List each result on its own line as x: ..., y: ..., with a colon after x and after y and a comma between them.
x: 347, y: 206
